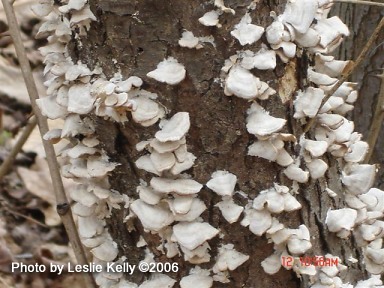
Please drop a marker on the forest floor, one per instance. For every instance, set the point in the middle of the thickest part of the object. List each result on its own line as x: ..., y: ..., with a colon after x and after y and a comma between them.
x: 30, y: 229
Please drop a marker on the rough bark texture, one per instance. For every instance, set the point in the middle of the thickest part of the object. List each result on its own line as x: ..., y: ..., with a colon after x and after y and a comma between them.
x: 362, y: 20
x: 135, y: 36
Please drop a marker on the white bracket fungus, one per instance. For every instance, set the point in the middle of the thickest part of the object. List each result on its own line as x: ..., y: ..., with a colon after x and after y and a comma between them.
x: 158, y: 280
x: 222, y: 182
x: 220, y: 4
x: 210, y: 18
x: 168, y: 71
x: 230, y: 211
x: 228, y: 259
x: 264, y: 59
x: 175, y: 128
x: 307, y: 103
x: 153, y: 217
x: 341, y: 220
x: 359, y: 178
x: 189, y: 40
x: 297, y: 174
x: 178, y: 186
x: 197, y: 275
x: 193, y: 234
x: 260, y: 123
x: 242, y: 83
x: 246, y: 32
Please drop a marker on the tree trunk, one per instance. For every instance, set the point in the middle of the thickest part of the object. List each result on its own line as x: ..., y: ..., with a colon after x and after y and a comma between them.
x: 133, y: 37
x: 362, y: 20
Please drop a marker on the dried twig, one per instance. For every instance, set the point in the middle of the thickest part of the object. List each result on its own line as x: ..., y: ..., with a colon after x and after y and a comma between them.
x: 8, y: 162
x: 361, y: 2
x: 377, y: 120
x: 349, y: 71
x: 63, y: 208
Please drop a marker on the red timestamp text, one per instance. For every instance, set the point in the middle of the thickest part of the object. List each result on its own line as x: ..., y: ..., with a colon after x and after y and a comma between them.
x: 317, y: 261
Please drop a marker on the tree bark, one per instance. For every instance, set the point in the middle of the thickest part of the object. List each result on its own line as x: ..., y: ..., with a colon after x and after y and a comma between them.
x: 362, y: 20
x: 134, y: 36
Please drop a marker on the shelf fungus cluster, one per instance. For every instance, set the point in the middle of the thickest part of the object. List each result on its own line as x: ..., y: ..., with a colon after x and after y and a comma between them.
x: 304, y: 26
x: 168, y: 204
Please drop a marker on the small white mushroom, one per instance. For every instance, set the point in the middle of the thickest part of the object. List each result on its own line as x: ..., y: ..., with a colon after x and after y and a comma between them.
x: 246, y: 32
x: 197, y: 208
x: 333, y: 121
x: 295, y: 173
x: 180, y: 204
x: 80, y: 150
x: 82, y: 196
x: 185, y: 165
x: 53, y: 135
x: 222, y: 182
x: 74, y: 125
x: 190, y: 281
x: 330, y: 30
x: 175, y: 128
x: 307, y: 103
x: 270, y: 200
x: 107, y: 251
x: 356, y: 152
x: 258, y: 221
x: 158, y: 280
x: 320, y: 78
x: 179, y: 186
x: 148, y: 195
x: 84, y: 211
x: 317, y: 168
x: 358, y: 178
x: 49, y: 107
x: 220, y: 4
x: 146, y: 109
x: 197, y: 256
x: 242, y: 83
x: 99, y: 166
x: 290, y: 203
x: 168, y: 71
x: 193, y: 234
x: 188, y: 40
x: 299, y: 241
x: 229, y: 259
x: 164, y: 147
x: 145, y: 163
x: 328, y: 65
x: 210, y: 18
x: 126, y: 85
x: 162, y: 161
x: 264, y: 59
x: 315, y: 148
x: 80, y: 100
x: 376, y: 203
x: 272, y: 263
x: 90, y: 226
x: 230, y: 211
x: 260, y: 123
x: 341, y: 219
x: 300, y: 14
x: 153, y: 218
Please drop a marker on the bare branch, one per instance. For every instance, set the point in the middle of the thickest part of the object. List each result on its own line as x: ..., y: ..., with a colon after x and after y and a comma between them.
x: 61, y: 198
x: 349, y: 71
x: 8, y: 162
